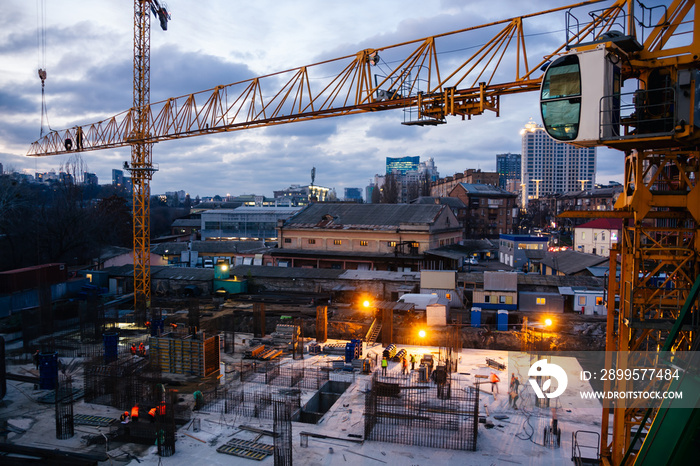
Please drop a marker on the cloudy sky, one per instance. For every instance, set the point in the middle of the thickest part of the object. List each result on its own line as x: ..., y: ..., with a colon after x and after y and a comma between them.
x: 88, y: 58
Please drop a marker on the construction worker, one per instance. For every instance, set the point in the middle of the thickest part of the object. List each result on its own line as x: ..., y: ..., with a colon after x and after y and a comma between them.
x: 198, y: 400
x: 493, y: 378
x: 36, y: 359
x: 142, y: 350
x: 413, y: 362
x: 134, y: 414
x: 124, y: 418
x: 152, y: 414
x: 404, y: 365
x: 385, y: 364
x: 133, y: 349
x: 513, y: 390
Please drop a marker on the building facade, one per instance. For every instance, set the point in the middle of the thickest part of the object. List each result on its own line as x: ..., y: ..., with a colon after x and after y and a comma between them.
x: 519, y: 251
x: 490, y: 210
x: 597, y: 236
x: 549, y: 166
x: 402, y: 164
x: 508, y: 169
x: 242, y: 223
x: 365, y: 236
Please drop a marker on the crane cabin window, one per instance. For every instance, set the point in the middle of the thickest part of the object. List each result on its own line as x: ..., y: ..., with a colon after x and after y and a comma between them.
x: 560, y: 98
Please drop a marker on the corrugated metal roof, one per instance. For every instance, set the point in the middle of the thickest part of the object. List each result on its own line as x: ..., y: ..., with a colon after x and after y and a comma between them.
x: 364, y: 216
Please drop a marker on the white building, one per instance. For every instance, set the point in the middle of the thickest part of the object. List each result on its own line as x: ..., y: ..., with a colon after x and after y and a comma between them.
x: 549, y: 166
x: 597, y: 236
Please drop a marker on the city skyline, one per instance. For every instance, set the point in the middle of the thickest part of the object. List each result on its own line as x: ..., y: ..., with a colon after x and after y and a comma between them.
x: 201, y: 50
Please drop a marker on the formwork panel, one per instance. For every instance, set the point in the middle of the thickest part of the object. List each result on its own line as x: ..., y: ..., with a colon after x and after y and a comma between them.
x: 177, y: 355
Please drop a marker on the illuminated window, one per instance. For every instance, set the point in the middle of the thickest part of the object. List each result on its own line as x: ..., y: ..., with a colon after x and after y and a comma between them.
x: 581, y: 300
x: 598, y: 300
x: 541, y: 301
x: 391, y: 244
x: 364, y: 243
x: 415, y: 244
x: 89, y: 277
x: 337, y: 242
x: 312, y: 241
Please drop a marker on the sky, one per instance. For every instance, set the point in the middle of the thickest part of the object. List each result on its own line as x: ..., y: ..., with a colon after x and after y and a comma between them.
x: 88, y: 58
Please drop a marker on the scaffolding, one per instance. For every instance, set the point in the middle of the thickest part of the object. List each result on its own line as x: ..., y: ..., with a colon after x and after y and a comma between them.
x: 402, y: 410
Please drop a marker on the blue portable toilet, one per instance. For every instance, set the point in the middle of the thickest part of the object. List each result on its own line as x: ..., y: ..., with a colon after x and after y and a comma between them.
x: 476, y: 317
x: 48, y: 370
x: 502, y: 322
x: 110, y: 341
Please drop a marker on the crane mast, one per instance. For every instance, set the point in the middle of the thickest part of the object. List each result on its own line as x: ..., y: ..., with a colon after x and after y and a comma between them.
x: 141, y: 167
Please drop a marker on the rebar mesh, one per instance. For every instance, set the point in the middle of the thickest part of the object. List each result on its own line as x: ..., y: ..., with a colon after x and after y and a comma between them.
x: 400, y: 410
x: 282, y: 427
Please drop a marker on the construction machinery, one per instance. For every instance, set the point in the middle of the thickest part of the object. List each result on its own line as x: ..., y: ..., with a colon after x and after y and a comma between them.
x: 627, y: 77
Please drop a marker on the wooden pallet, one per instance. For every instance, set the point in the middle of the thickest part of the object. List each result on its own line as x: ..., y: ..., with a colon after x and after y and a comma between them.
x: 246, y: 449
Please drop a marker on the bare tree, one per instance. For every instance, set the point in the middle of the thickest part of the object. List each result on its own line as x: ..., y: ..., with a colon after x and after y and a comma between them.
x: 390, y: 192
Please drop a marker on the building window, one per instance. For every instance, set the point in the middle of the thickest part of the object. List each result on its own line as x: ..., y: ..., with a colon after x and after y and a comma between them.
x: 391, y: 244
x: 581, y: 300
x: 415, y: 244
x: 602, y: 236
x: 337, y: 242
x: 583, y: 235
x: 364, y: 243
x: 502, y: 299
x: 598, y: 300
x: 312, y: 241
x: 487, y: 299
x: 541, y: 301
x: 288, y: 240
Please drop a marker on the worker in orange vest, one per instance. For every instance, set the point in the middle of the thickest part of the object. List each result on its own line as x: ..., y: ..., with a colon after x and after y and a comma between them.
x: 494, y: 379
x: 134, y: 414
x: 133, y: 349
x: 124, y: 418
x: 152, y: 414
x: 142, y: 350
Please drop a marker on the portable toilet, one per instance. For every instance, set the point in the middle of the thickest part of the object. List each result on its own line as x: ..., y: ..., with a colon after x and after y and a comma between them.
x: 502, y: 322
x: 48, y: 370
x: 476, y: 317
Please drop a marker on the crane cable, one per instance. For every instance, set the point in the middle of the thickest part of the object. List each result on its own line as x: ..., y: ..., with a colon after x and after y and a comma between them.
x: 41, y: 45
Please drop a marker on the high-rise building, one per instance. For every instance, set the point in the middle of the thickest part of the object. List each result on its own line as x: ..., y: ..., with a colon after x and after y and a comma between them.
x: 508, y: 168
x: 117, y: 177
x: 353, y: 194
x: 402, y: 164
x: 90, y: 178
x: 549, y: 166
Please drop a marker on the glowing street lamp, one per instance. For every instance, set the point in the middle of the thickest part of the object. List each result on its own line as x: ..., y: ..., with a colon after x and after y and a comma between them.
x: 366, y: 303
x: 548, y: 322
x: 421, y: 333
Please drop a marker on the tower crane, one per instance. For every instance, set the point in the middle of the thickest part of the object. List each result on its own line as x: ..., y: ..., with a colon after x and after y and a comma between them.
x: 141, y: 167
x: 583, y: 101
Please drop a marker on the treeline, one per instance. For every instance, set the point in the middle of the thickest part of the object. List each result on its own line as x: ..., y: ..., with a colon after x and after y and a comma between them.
x: 63, y: 222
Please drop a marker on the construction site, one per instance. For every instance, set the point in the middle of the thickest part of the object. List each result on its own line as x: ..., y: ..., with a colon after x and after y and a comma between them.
x: 141, y: 386
x: 184, y: 396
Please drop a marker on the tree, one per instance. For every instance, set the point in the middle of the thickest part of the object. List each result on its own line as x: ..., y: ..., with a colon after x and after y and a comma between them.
x: 390, y: 191
x: 376, y: 195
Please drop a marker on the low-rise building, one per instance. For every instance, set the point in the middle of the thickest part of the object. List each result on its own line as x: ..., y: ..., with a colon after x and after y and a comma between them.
x: 490, y: 209
x: 365, y: 236
x: 520, y: 251
x: 244, y: 223
x: 597, y: 236
x: 570, y: 262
